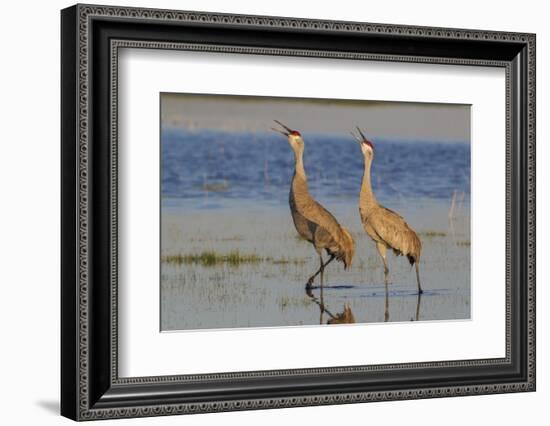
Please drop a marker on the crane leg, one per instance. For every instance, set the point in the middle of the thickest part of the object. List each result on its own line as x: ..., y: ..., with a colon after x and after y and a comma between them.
x: 386, y: 305
x: 381, y: 247
x: 321, y: 297
x: 418, y: 306
x: 322, y: 269
x: 420, y: 291
x: 309, y: 283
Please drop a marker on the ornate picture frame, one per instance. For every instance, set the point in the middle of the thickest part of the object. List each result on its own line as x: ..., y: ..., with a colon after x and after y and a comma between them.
x: 91, y: 37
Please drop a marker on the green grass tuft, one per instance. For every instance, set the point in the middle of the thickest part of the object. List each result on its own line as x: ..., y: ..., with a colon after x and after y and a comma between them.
x: 211, y: 258
x: 233, y: 258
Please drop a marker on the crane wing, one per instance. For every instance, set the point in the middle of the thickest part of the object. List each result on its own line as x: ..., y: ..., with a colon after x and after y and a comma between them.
x: 342, y: 244
x: 395, y: 232
x: 317, y: 214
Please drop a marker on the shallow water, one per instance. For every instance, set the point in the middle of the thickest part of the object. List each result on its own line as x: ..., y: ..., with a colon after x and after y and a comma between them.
x: 227, y: 192
x: 271, y: 292
x: 259, y: 166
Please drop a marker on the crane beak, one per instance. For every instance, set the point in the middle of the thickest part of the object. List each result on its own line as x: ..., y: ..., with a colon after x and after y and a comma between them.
x: 363, y: 137
x: 288, y: 129
x: 279, y: 131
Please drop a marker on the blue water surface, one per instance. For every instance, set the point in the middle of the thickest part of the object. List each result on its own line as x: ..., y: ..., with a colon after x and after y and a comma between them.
x: 259, y: 166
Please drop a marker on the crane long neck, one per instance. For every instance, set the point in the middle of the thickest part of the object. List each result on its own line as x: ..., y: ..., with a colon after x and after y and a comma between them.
x: 366, y: 196
x: 299, y: 181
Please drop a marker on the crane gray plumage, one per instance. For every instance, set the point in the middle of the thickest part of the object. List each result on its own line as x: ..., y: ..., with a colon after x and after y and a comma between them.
x: 312, y: 221
x: 385, y: 227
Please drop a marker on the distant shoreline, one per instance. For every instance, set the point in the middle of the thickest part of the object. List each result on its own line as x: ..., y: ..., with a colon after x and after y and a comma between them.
x: 443, y: 122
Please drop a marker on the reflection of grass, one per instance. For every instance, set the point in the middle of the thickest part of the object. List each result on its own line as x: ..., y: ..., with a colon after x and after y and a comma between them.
x: 287, y: 261
x: 463, y: 243
x: 233, y: 258
x: 210, y: 239
x: 432, y: 234
x: 287, y: 302
x: 284, y: 302
x: 235, y: 238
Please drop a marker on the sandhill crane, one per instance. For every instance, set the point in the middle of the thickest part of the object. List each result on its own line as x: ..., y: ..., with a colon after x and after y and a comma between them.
x: 385, y: 227
x: 312, y: 221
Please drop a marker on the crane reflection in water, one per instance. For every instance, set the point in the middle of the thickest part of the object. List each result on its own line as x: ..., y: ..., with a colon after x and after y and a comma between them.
x: 346, y: 316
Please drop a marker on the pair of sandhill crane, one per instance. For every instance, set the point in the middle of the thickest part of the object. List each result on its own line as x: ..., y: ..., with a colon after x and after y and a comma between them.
x: 315, y: 224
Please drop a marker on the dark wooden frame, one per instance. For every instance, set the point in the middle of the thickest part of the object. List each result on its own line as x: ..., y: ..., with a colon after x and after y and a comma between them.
x: 90, y: 386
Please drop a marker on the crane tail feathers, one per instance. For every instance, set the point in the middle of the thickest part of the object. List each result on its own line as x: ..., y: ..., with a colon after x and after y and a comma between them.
x: 348, y: 248
x: 416, y: 249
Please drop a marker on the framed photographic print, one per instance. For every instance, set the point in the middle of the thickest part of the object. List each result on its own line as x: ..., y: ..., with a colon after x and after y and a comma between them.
x: 263, y: 212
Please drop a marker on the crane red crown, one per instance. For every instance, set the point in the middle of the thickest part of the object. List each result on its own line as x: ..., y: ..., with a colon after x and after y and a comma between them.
x: 369, y: 143
x: 295, y: 133
x: 362, y: 138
